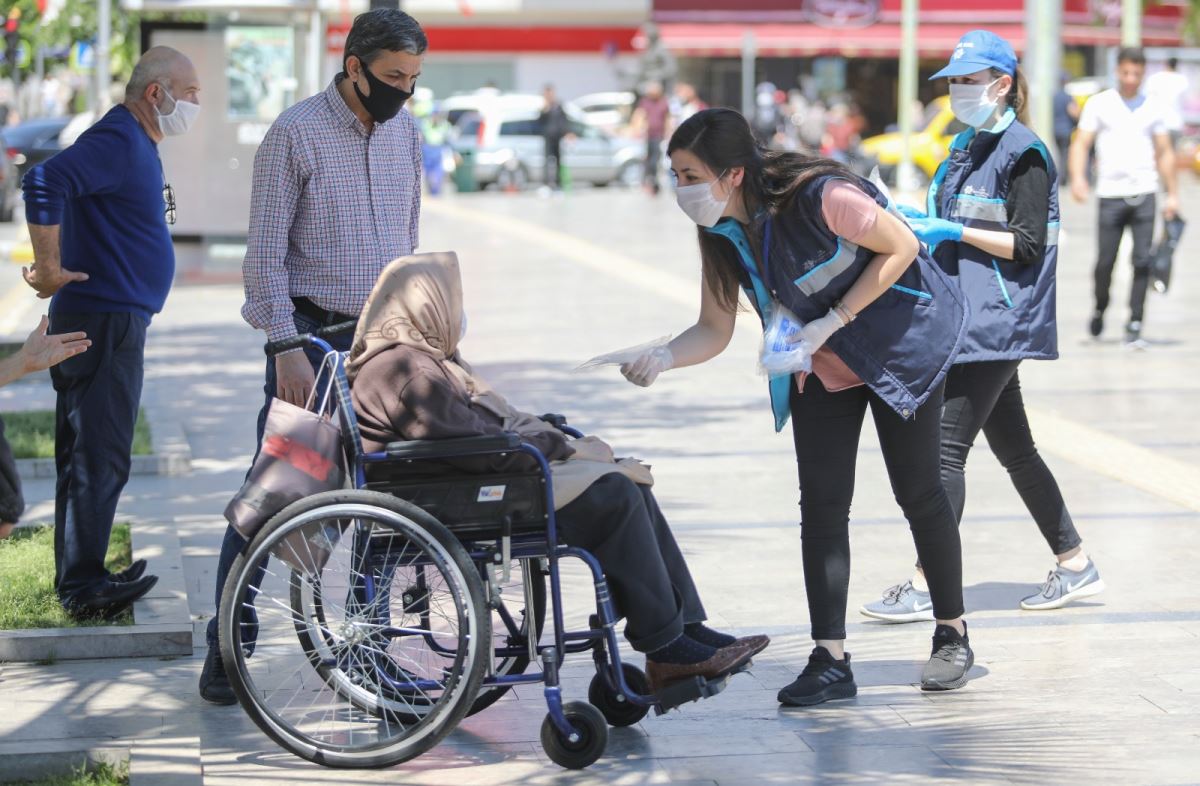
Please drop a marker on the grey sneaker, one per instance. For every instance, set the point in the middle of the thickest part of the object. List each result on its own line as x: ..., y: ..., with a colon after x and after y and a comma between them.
x: 952, y: 658
x: 1063, y: 586
x: 901, y: 603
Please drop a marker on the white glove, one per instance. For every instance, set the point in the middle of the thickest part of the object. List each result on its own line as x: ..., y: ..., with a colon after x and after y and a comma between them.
x: 817, y: 332
x: 648, y: 366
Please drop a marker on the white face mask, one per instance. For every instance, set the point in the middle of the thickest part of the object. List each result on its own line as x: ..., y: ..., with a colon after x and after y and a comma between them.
x: 180, y: 119
x: 699, y: 202
x: 971, y: 103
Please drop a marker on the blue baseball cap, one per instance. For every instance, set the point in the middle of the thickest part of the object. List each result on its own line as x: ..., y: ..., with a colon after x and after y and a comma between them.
x: 977, y: 50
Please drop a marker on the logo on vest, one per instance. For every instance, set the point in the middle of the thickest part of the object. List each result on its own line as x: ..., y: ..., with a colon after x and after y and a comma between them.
x: 976, y: 192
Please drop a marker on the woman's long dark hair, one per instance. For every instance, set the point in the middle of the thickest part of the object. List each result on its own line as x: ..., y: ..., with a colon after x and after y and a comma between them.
x: 1018, y: 94
x: 722, y: 139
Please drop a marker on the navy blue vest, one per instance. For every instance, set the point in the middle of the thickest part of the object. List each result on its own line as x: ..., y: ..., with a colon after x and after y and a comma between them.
x: 901, y: 345
x: 1012, y: 304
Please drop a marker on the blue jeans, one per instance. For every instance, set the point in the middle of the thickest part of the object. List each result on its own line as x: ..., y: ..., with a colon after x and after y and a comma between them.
x: 98, y: 395
x: 233, y: 543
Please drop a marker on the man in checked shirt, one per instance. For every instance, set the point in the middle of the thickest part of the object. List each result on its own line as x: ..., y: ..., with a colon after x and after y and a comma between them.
x: 336, y: 197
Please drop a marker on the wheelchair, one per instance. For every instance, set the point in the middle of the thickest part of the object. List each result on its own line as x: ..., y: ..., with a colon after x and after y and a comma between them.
x: 394, y: 609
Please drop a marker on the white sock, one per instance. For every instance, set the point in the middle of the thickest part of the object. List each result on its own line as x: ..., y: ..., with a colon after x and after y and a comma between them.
x: 1076, y: 563
x: 919, y: 583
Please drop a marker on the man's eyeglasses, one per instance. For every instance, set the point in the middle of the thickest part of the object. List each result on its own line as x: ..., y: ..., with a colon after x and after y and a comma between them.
x: 169, y: 199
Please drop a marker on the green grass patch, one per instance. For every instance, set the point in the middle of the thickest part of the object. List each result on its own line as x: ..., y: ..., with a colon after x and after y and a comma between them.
x: 27, y: 568
x: 102, y: 775
x: 31, y: 434
x: 8, y: 350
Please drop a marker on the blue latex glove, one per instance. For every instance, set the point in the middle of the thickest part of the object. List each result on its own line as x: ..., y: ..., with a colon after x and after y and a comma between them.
x: 932, y: 231
x: 910, y: 212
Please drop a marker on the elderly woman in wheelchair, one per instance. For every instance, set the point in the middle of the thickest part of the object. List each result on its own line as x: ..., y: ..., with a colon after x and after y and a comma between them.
x: 409, y: 382
x: 396, y: 586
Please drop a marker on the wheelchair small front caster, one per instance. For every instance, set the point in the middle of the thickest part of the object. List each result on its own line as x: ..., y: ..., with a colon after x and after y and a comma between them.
x: 591, y: 737
x: 616, y: 709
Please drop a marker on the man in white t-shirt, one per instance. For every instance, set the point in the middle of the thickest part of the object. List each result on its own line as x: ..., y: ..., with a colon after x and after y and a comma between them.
x: 1168, y: 88
x: 1133, y: 153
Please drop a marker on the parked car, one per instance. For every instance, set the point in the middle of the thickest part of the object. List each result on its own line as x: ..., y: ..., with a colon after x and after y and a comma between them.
x: 32, y: 142
x: 10, y: 188
x: 606, y: 111
x: 930, y: 142
x: 500, y: 135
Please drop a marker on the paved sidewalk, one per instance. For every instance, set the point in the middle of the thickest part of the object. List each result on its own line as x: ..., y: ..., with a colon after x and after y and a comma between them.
x: 1105, y: 691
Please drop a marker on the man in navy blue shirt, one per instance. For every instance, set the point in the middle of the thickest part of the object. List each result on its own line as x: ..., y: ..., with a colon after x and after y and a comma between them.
x: 97, y: 216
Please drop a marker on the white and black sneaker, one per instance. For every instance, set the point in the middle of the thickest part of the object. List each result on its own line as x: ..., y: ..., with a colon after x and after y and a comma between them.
x: 952, y: 658
x: 823, y: 679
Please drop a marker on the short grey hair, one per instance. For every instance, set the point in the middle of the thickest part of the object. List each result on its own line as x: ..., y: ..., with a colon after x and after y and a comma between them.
x: 383, y: 30
x: 156, y: 66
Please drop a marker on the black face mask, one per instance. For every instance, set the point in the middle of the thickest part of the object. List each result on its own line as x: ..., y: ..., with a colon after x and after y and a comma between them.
x: 385, y: 101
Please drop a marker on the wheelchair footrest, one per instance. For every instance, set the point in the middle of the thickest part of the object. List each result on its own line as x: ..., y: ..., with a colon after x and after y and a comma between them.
x: 684, y: 691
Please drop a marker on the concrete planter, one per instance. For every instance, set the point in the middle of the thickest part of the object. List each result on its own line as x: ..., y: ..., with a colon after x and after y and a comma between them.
x: 162, y: 622
x: 170, y: 453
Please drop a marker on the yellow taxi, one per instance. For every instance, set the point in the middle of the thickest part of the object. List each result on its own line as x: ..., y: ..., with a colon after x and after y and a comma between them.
x: 930, y: 141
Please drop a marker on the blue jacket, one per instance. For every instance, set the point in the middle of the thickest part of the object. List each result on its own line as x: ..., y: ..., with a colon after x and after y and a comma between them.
x: 1012, y: 304
x: 106, y: 191
x: 901, y: 345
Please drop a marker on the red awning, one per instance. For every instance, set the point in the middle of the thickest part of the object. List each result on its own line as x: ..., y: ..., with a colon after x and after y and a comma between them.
x: 882, y: 39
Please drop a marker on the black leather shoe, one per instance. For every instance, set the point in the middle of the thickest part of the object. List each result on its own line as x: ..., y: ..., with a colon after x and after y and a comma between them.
x: 214, y: 682
x: 111, y: 599
x: 132, y: 573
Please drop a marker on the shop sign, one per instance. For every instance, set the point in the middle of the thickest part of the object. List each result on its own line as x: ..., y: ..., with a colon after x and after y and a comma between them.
x: 842, y: 13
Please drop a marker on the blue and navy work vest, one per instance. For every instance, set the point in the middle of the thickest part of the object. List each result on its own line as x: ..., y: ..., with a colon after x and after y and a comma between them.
x: 1012, y: 304
x: 901, y: 345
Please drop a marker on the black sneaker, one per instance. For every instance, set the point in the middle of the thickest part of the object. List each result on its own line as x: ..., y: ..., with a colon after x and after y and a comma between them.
x: 823, y: 679
x: 1096, y: 327
x: 952, y: 658
x: 214, y: 682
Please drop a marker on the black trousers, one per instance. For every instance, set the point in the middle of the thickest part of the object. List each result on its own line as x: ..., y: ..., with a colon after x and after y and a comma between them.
x: 12, y: 504
x: 1136, y: 213
x: 552, y: 171
x: 826, y: 428
x: 620, y: 523
x: 98, y: 395
x: 987, y: 396
x: 650, y: 164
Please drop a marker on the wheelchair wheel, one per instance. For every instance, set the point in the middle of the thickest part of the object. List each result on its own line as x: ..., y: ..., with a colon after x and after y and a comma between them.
x: 364, y: 688
x: 591, y: 737
x: 616, y: 709
x: 511, y: 620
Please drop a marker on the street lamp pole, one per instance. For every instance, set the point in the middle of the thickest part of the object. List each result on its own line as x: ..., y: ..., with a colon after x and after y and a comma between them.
x: 1131, y: 22
x: 1043, y: 54
x: 103, y: 34
x: 905, y: 172
x: 748, y: 56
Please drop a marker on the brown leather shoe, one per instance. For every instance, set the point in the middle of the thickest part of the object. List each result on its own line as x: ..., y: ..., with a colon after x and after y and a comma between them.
x: 725, y: 660
x: 752, y: 644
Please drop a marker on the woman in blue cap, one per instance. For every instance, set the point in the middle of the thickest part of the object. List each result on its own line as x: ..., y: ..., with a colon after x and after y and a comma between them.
x: 993, y: 224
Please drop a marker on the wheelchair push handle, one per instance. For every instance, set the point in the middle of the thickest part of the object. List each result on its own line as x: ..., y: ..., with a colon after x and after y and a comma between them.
x: 273, y: 348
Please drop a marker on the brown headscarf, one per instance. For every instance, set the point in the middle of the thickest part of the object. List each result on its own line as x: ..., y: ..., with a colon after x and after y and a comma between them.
x: 417, y: 302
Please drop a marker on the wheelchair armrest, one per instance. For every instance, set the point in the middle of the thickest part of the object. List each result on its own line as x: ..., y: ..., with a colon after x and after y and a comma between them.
x: 451, y: 448
x: 558, y: 421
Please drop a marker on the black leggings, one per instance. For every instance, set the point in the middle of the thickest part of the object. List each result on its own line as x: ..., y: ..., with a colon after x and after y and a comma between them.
x: 826, y: 428
x: 987, y: 396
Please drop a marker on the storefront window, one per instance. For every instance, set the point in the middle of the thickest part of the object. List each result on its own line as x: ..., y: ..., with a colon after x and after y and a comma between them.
x: 259, y: 71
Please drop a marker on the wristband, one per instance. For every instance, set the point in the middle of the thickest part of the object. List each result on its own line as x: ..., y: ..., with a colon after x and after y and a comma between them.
x: 847, y: 316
